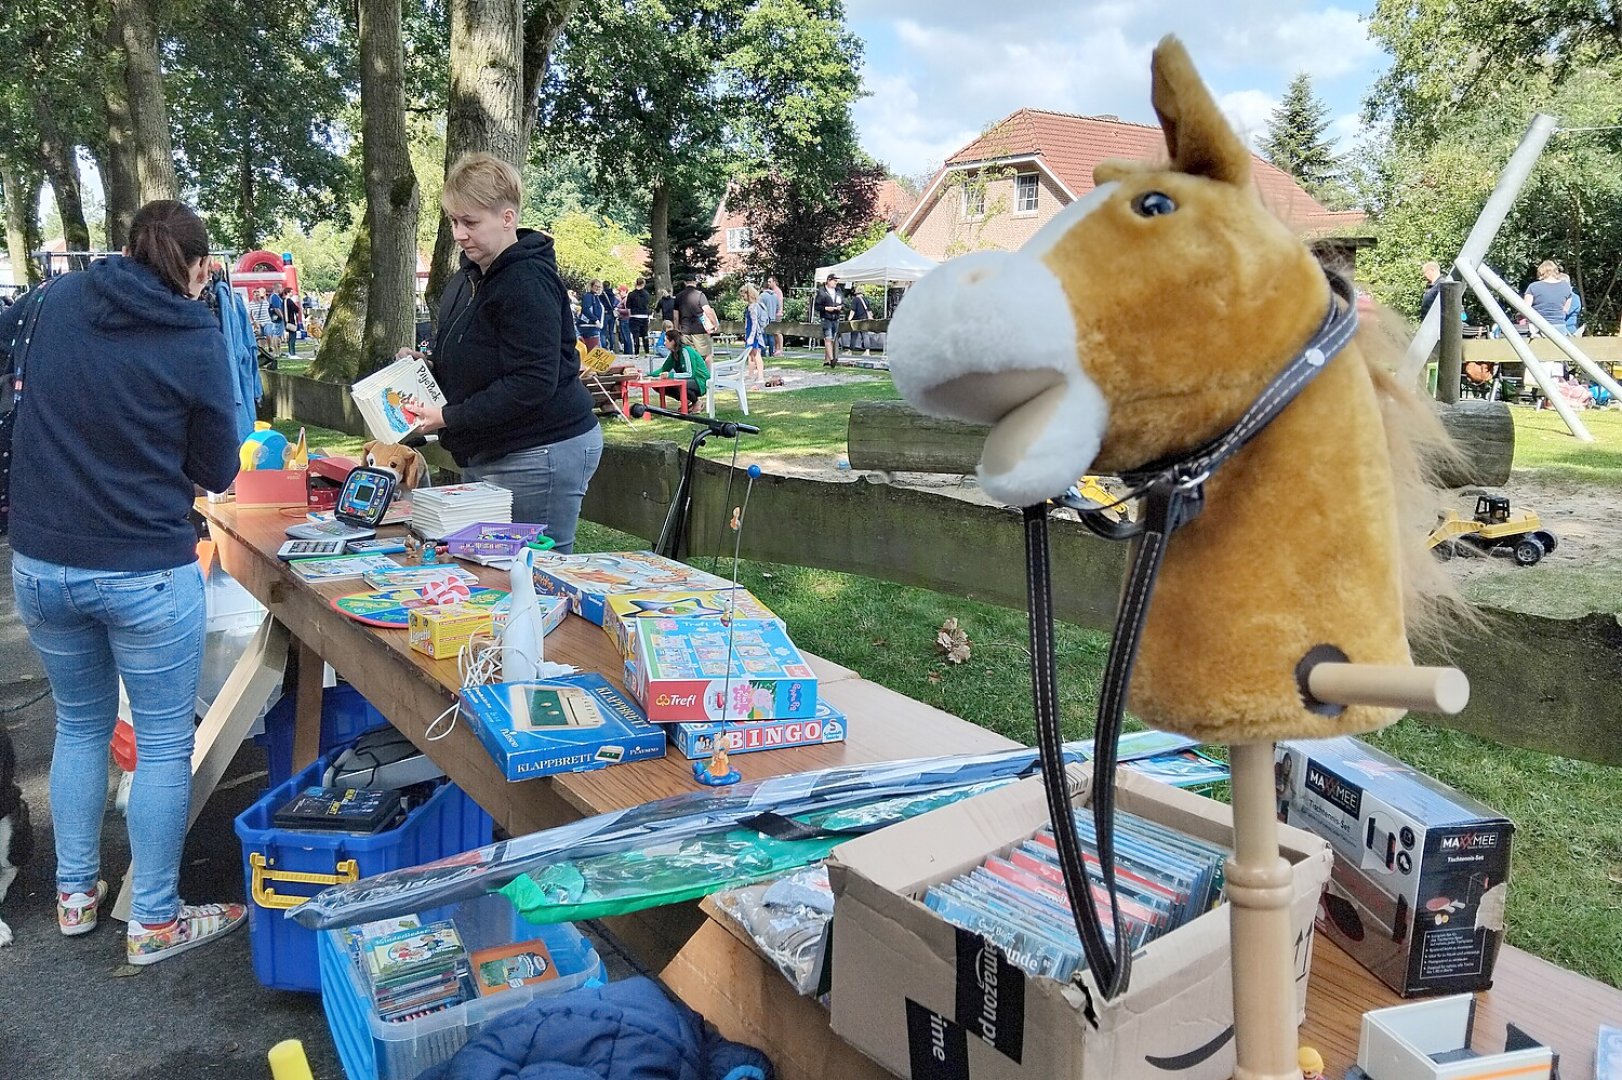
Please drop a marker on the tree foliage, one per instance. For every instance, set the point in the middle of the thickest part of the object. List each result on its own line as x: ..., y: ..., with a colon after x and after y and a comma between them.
x: 794, y: 231
x: 1295, y: 139
x: 594, y: 247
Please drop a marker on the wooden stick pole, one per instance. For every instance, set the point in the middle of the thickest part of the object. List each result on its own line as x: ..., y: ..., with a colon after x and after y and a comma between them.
x: 1442, y: 690
x: 1259, y: 888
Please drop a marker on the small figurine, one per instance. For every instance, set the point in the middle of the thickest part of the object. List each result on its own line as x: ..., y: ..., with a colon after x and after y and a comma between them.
x: 717, y: 772
x: 737, y: 518
x: 1311, y: 1062
x: 413, y: 551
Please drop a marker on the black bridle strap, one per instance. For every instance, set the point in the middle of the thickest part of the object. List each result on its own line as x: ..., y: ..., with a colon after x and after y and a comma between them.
x: 1174, y: 493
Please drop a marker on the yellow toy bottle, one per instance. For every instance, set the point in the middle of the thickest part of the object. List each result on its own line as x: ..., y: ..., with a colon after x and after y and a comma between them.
x: 287, y: 1061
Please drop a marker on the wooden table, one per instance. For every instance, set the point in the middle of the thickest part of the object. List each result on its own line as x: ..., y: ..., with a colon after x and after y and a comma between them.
x: 703, y: 961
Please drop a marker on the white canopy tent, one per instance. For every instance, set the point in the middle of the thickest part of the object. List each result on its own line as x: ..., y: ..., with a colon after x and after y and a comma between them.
x: 889, y: 260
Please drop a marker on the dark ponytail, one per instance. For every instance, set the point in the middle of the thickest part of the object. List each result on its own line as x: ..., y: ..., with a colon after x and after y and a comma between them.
x: 166, y: 237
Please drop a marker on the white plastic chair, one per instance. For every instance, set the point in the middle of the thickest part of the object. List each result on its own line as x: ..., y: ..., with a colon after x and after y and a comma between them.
x: 728, y: 375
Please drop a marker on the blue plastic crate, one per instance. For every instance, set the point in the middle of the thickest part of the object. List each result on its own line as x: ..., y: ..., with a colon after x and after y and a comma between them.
x: 282, y: 867
x: 345, y: 717
x: 373, y: 1049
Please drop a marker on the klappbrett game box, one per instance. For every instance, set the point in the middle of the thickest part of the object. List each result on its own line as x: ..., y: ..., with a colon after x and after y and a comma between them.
x: 706, y: 670
x: 575, y: 723
x: 697, y: 741
x: 623, y: 609
x: 1421, y: 871
x: 588, y: 580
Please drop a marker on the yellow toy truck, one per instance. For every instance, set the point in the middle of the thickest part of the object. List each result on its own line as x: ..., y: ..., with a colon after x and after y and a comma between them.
x: 1494, y: 528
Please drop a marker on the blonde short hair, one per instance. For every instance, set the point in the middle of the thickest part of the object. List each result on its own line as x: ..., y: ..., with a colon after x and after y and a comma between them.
x: 483, y: 181
x: 1548, y: 269
x: 750, y: 293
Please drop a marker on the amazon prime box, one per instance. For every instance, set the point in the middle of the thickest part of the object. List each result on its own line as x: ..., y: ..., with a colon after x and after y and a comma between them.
x: 929, y: 1000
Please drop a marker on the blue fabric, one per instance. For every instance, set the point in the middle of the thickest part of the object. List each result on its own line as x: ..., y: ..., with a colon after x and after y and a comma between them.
x: 93, y: 628
x: 1571, y: 316
x: 244, y: 355
x: 129, y: 403
x: 623, y: 1030
x: 591, y: 311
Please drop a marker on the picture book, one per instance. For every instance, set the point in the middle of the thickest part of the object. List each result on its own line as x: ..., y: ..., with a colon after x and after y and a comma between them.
x: 697, y: 741
x: 622, y: 609
x: 340, y: 567
x: 406, y: 955
x: 588, y: 580
x: 394, y: 576
x: 577, y: 723
x: 507, y: 967
x: 390, y: 400
x: 687, y: 669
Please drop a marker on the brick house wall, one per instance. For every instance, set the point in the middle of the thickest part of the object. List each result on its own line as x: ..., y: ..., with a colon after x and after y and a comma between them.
x: 944, y: 232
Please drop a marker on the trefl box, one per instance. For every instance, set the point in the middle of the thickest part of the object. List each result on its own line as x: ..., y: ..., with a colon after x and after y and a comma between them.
x: 695, y: 741
x: 706, y: 670
x: 924, y: 998
x: 623, y: 609
x: 576, y: 723
x: 1421, y: 871
x: 586, y: 581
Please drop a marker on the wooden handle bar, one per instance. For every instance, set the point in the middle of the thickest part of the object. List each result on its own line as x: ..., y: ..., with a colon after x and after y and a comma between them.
x: 1443, y: 690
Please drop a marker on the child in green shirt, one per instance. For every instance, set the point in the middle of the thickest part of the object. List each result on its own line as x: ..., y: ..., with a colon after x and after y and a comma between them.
x: 684, y: 362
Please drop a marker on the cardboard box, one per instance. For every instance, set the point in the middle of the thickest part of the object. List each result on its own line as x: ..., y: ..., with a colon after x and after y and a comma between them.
x: 696, y: 741
x: 926, y: 999
x: 578, y: 723
x: 702, y: 670
x: 1421, y: 870
x: 441, y: 629
x: 587, y: 580
x: 623, y: 609
x: 272, y: 487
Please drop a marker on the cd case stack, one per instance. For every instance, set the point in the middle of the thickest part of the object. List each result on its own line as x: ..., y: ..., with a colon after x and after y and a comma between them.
x: 437, y: 512
x: 1164, y: 879
x: 412, y: 968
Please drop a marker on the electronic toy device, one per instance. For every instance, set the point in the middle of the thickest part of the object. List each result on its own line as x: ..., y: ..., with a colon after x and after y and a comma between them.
x: 310, y: 549
x: 364, y: 500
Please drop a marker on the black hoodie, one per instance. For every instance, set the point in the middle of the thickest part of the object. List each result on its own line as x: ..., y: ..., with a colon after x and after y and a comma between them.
x: 505, y: 356
x: 128, y: 402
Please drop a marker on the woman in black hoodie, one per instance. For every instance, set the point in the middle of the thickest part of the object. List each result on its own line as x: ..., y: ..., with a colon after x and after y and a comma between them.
x: 516, y: 413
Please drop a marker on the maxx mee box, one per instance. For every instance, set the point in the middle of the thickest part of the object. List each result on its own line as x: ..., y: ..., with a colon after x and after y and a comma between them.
x: 926, y: 999
x: 586, y: 581
x: 1421, y: 870
x: 704, y: 670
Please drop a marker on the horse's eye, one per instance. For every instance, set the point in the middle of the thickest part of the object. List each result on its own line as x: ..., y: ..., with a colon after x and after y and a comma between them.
x: 1153, y: 204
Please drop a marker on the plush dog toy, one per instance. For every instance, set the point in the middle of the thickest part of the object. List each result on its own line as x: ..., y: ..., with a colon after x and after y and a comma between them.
x: 407, y: 463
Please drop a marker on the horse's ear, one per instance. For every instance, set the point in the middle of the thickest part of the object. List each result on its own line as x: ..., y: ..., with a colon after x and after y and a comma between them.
x: 1197, y: 136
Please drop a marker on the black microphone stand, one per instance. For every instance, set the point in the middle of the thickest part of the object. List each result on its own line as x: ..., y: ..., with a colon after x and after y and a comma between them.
x: 673, y: 537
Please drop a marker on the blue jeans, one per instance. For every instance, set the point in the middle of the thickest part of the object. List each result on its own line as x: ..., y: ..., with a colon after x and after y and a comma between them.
x: 91, y: 628
x: 547, y: 482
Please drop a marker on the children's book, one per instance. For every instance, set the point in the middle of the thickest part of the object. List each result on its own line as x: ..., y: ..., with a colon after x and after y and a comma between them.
x: 340, y: 567
x: 507, y: 967
x: 395, y: 576
x: 391, y: 400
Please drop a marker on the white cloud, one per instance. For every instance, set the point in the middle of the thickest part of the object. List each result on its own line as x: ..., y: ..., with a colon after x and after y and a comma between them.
x: 1248, y: 111
x: 1344, y: 132
x: 1325, y: 44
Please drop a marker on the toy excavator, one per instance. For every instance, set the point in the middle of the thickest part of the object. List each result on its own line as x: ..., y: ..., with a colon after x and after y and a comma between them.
x: 1494, y: 528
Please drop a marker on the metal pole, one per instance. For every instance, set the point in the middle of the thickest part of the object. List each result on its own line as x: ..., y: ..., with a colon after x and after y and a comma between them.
x: 1482, y: 234
x: 1534, y: 368
x: 1450, y: 362
x: 1553, y: 333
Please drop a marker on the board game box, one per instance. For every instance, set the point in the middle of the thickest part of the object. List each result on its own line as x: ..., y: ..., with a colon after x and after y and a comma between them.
x: 623, y: 609
x: 576, y: 723
x: 697, y: 741
x: 681, y: 670
x: 587, y: 580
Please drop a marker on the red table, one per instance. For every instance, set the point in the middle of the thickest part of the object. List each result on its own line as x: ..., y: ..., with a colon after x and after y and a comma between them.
x: 661, y: 385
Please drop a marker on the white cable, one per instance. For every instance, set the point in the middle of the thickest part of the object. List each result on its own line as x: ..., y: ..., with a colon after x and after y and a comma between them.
x: 479, y: 670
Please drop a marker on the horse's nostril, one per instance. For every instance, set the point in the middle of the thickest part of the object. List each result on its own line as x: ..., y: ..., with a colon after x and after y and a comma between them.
x: 974, y: 277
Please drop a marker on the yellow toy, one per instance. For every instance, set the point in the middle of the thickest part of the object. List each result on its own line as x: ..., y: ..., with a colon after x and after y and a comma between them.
x: 407, y: 463
x: 1494, y: 526
x: 1311, y: 1062
x: 1279, y: 551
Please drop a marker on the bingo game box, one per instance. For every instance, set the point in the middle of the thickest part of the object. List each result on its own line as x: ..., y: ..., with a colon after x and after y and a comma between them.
x: 697, y: 741
x: 587, y: 580
x: 1421, y: 871
x: 575, y: 723
x: 623, y: 609
x: 680, y: 671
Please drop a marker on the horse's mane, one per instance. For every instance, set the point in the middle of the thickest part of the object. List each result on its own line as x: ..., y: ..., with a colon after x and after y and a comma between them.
x: 1420, y: 450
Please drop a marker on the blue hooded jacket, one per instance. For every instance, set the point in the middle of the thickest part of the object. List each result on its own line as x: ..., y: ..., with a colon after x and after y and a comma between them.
x: 625, y: 1029
x: 127, y: 402
x: 244, y: 353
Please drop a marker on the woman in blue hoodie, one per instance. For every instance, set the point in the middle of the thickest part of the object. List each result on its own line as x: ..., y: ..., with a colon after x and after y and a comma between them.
x: 128, y: 406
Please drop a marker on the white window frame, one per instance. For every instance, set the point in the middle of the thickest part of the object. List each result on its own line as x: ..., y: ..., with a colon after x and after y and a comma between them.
x: 974, y: 192
x: 1021, y: 180
x: 740, y: 239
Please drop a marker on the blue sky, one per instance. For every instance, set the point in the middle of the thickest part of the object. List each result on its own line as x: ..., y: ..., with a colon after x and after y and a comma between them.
x: 938, y: 72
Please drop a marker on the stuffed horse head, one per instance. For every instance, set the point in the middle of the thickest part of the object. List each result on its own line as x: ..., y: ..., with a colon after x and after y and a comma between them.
x: 1140, y: 324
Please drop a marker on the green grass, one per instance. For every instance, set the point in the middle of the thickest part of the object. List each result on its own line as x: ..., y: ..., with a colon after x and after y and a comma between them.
x: 1544, y: 445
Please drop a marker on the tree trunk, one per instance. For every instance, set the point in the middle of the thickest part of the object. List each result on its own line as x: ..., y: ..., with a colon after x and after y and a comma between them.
x: 60, y: 159
x: 119, y: 178
x: 22, y: 220
x: 249, y: 238
x: 659, y: 229
x: 484, y: 112
x: 343, y: 334
x: 135, y: 23
x: 391, y: 187
x: 542, y: 26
